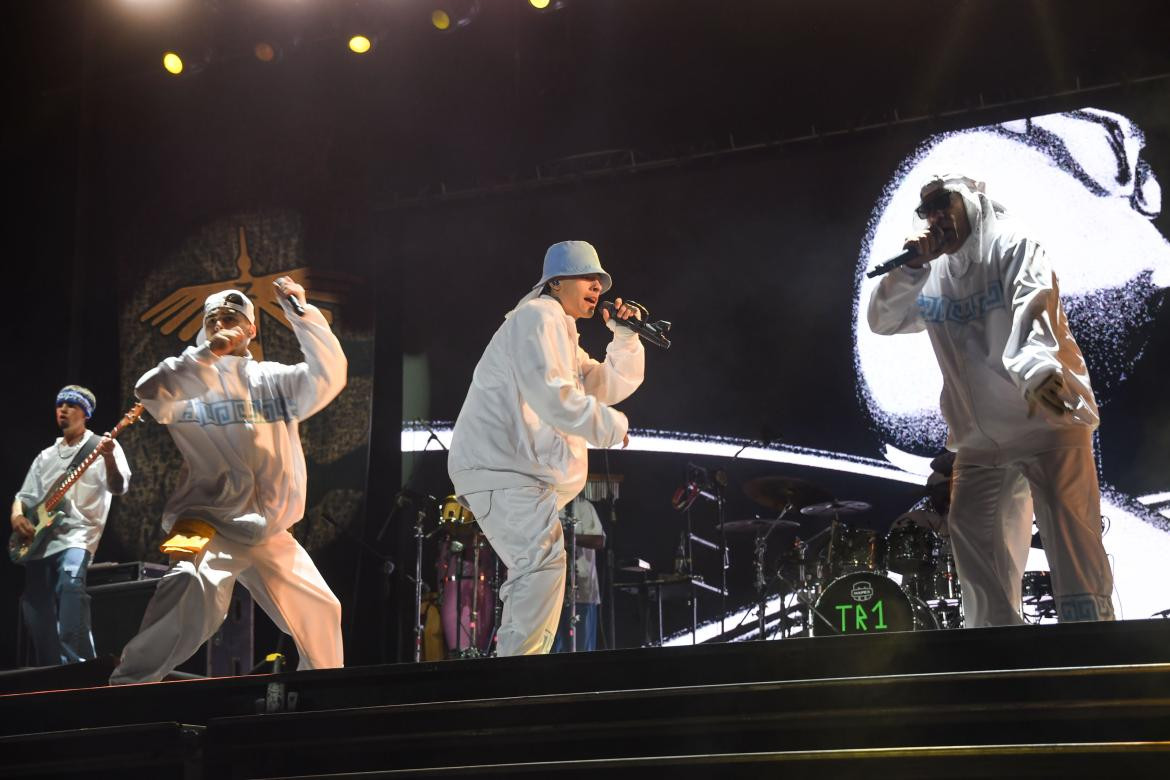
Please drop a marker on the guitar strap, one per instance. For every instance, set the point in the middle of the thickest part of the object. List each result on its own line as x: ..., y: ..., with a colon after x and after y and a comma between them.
x: 90, y: 445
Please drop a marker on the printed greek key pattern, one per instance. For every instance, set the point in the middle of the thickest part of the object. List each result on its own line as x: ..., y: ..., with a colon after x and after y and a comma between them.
x: 237, y: 412
x: 973, y: 307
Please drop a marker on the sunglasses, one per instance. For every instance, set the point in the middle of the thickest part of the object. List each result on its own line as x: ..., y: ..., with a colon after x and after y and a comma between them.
x: 939, y: 202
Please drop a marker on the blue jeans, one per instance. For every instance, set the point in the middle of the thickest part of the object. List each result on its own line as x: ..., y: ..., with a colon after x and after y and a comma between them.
x: 55, y: 608
x: 586, y: 629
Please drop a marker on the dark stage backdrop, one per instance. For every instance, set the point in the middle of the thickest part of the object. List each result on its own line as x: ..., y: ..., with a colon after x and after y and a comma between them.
x: 757, y: 258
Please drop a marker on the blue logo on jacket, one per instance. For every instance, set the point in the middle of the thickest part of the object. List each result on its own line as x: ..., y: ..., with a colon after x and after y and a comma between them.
x: 238, y: 411
x: 973, y: 307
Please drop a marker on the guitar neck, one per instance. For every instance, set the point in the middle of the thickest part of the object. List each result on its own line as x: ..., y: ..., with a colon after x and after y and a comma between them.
x: 71, y: 479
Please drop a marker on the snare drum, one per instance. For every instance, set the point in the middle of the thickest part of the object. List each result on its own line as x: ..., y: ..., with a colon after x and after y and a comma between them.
x: 867, y: 603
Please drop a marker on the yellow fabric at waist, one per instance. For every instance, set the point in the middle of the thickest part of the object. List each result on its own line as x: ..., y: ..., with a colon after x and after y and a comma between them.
x: 188, y: 538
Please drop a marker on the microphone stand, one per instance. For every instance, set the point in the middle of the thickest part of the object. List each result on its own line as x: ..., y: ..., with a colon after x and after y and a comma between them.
x: 386, y: 567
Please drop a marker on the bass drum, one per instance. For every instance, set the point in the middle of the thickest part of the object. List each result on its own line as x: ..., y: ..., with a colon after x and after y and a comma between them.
x: 866, y: 603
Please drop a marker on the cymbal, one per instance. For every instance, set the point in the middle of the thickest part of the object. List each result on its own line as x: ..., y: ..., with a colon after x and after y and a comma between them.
x: 755, y: 524
x: 778, y: 492
x: 836, y: 507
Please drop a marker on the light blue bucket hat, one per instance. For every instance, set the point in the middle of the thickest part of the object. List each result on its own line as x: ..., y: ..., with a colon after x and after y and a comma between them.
x: 569, y: 258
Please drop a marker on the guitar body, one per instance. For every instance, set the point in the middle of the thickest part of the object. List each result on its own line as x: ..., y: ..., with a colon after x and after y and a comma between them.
x: 42, y: 519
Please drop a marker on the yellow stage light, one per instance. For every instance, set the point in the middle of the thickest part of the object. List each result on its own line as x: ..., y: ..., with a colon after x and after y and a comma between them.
x: 539, y: 4
x: 440, y: 19
x: 360, y: 44
x: 173, y: 63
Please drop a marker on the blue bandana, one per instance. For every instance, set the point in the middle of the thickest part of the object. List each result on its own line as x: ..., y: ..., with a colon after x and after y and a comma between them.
x: 76, y: 394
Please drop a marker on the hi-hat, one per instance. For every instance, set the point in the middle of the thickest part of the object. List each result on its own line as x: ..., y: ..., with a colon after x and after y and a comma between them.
x: 752, y: 524
x: 836, y: 507
x: 781, y: 492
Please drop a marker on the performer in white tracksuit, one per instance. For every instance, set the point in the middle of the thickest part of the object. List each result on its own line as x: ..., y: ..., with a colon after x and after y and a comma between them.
x: 1016, y: 398
x: 241, y: 488
x: 518, y: 452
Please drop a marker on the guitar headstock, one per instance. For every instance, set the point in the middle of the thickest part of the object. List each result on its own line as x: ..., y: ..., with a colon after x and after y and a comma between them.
x: 129, y: 418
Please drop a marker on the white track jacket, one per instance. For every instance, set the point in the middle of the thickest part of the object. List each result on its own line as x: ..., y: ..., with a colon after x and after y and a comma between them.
x: 536, y: 398
x: 235, y: 420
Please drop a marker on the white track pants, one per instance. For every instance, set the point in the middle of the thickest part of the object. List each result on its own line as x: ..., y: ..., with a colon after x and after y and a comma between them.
x: 990, y: 528
x: 192, y: 600
x: 524, y: 530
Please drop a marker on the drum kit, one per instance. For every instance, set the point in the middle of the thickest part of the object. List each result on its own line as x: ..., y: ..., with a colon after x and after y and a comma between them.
x: 846, y: 578
x: 468, y: 573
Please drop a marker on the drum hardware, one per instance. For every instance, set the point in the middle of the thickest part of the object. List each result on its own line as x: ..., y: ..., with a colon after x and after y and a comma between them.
x: 836, y: 508
x: 570, y: 524
x: 753, y: 524
x: 420, y: 536
x: 386, y: 567
x: 606, y: 487
x: 780, y: 493
x: 1038, y: 601
x: 763, y: 531
x: 474, y: 623
x: 806, y: 587
x: 701, y: 483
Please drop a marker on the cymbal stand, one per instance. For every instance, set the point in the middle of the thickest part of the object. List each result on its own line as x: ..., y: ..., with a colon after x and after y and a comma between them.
x: 724, y: 557
x: 761, y: 577
x: 473, y: 651
x: 455, y: 558
x: 497, y: 602
x: 419, y: 537
x: 571, y: 531
x: 806, y: 596
x: 761, y: 581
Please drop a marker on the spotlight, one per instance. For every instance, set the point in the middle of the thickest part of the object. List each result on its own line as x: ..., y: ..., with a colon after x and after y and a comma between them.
x: 173, y: 63
x: 451, y: 15
x: 360, y: 44
x: 265, y: 52
x: 547, y: 6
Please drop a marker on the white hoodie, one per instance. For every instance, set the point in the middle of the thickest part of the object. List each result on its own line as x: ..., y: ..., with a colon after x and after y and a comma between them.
x: 993, y: 314
x: 235, y: 420
x: 536, y: 398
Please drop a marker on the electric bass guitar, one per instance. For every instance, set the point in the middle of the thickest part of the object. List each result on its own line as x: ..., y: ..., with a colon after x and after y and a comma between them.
x: 44, y: 514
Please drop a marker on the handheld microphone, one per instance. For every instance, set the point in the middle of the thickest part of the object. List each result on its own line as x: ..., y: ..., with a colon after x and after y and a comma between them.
x: 296, y: 305
x: 906, y: 256
x: 654, y: 332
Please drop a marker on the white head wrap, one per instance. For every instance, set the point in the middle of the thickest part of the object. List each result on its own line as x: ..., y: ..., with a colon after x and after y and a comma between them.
x: 983, y: 215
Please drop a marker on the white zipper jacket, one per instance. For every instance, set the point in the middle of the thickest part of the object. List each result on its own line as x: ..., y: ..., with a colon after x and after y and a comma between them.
x: 235, y: 420
x: 993, y: 314
x: 536, y: 398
